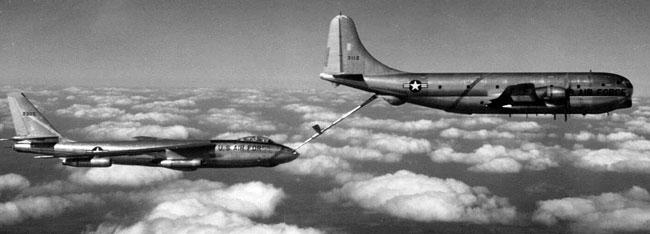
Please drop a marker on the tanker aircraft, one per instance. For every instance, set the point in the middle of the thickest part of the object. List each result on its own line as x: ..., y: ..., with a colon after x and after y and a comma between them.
x: 348, y: 63
x: 34, y: 134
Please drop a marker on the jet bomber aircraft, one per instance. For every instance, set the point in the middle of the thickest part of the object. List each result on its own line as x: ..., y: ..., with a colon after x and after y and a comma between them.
x: 34, y: 134
x: 348, y: 63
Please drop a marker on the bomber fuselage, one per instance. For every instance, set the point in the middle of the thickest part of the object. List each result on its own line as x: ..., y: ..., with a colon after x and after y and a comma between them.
x: 178, y: 154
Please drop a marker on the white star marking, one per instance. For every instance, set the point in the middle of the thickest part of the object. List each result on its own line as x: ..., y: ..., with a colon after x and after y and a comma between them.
x: 415, y: 86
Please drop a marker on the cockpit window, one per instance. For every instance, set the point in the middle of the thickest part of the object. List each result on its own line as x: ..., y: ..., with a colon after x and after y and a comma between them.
x: 256, y: 139
x: 627, y: 83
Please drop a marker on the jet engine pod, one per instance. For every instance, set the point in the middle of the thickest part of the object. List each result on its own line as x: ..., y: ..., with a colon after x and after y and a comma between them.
x: 171, y: 163
x: 94, y: 162
x: 552, y: 95
x: 395, y: 101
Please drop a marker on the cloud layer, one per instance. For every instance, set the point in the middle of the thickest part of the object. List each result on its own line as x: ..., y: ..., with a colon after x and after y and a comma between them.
x: 499, y: 159
x: 204, y: 206
x: 625, y: 211
x: 422, y: 198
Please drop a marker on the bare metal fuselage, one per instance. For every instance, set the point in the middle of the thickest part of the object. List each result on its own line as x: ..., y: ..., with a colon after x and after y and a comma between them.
x: 176, y: 154
x: 468, y: 93
x: 347, y: 62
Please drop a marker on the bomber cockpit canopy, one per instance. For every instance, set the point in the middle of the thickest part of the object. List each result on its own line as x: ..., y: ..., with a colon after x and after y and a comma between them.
x: 256, y: 139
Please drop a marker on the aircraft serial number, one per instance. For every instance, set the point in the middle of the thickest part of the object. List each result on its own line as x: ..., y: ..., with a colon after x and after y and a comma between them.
x: 29, y: 113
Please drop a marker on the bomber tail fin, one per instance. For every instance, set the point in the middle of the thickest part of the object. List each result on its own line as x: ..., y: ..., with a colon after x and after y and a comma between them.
x: 29, y: 123
x: 347, y: 55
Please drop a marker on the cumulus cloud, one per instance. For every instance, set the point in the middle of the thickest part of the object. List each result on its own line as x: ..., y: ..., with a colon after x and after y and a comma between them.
x: 418, y: 197
x: 118, y: 100
x: 323, y: 166
x: 180, y: 106
x: 348, y: 152
x: 156, y: 117
x: 475, y: 135
x: 642, y: 110
x: 499, y: 159
x: 312, y: 112
x: 581, y: 136
x: 13, y: 181
x: 612, y: 137
x: 205, y: 206
x: 20, y: 209
x: 233, y: 119
x: 252, y: 97
x: 498, y: 165
x: 395, y: 125
x: 625, y: 211
x: 185, y: 206
x: 520, y: 126
x: 323, y: 114
x: 119, y: 175
x: 392, y: 146
x: 477, y: 121
x: 621, y: 160
x: 90, y: 112
x: 639, y: 125
x: 111, y: 130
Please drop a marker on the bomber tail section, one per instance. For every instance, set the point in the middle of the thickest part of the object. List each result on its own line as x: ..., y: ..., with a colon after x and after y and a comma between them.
x: 29, y: 123
x: 346, y: 55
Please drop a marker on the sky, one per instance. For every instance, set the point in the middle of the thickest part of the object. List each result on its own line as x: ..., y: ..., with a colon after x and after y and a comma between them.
x: 280, y: 44
x: 386, y: 169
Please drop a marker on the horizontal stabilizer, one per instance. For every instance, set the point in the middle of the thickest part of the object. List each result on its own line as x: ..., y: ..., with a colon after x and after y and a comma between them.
x: 36, y: 139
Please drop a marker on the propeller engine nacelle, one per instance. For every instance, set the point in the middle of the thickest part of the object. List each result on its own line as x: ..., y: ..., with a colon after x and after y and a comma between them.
x: 395, y: 101
x: 526, y: 94
x: 552, y: 95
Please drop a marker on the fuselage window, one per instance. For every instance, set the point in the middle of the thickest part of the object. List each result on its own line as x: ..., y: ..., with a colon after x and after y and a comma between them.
x: 439, y: 86
x: 578, y: 86
x: 497, y: 86
x: 468, y: 87
x: 602, y: 84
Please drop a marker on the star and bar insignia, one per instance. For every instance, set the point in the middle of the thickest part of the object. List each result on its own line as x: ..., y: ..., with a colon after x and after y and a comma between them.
x: 415, y: 86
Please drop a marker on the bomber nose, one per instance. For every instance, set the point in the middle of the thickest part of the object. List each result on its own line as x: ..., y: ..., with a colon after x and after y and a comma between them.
x: 286, y: 155
x: 327, y: 77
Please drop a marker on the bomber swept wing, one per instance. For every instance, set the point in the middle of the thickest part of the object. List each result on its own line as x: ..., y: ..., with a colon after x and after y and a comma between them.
x: 87, y: 149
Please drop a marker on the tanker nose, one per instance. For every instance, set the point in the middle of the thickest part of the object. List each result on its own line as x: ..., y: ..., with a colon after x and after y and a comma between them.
x: 629, y: 89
